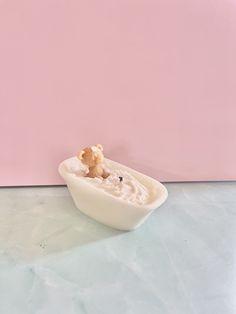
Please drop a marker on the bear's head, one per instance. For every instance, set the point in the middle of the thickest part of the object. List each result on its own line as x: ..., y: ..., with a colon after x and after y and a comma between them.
x: 92, y: 156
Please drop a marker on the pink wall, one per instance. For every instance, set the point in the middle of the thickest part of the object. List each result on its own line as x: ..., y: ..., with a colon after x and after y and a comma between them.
x: 153, y: 81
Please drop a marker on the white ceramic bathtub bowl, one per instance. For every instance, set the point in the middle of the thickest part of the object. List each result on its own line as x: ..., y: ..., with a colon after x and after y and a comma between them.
x: 105, y: 207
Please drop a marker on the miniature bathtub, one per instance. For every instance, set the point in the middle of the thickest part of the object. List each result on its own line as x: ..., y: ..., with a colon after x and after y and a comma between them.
x: 108, y: 209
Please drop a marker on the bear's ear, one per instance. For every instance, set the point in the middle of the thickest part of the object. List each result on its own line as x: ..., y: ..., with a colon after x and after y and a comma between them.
x: 99, y: 146
x: 80, y: 156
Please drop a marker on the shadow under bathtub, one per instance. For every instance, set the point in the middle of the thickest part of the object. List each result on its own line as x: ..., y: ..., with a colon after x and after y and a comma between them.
x: 36, y: 225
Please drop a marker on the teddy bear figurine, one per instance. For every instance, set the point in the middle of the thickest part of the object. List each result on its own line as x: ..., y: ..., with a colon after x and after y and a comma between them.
x: 93, y: 158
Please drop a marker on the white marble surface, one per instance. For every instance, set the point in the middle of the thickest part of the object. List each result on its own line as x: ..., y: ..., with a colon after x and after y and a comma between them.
x: 53, y: 259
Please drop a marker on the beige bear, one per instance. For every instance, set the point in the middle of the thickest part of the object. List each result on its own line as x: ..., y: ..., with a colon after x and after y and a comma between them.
x: 93, y: 158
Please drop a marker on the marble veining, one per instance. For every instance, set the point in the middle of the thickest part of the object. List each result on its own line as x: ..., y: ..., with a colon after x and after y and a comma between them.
x: 54, y: 259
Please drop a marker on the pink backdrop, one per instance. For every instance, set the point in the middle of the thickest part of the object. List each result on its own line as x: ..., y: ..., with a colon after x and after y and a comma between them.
x: 153, y: 81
